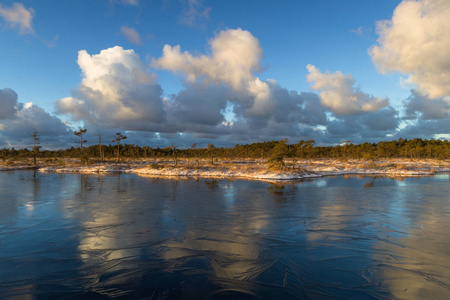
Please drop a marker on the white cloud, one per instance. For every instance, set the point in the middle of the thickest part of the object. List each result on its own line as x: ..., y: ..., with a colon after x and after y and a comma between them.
x: 222, y: 81
x: 131, y: 35
x: 339, y: 94
x: 416, y: 42
x: 234, y: 60
x: 263, y: 103
x: 116, y: 91
x: 73, y: 106
x: 221, y: 99
x: 235, y: 56
x: 17, y: 16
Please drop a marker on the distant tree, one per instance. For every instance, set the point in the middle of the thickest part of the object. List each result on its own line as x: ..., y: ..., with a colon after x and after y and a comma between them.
x: 309, y: 144
x: 295, y: 151
x: 210, y: 151
x: 174, y: 154
x: 145, y: 150
x: 277, y: 154
x: 80, y: 134
x: 386, y: 149
x: 415, y: 148
x: 345, y: 146
x: 36, y: 147
x: 192, y: 150
x: 300, y: 148
x: 118, y: 138
x: 100, y: 150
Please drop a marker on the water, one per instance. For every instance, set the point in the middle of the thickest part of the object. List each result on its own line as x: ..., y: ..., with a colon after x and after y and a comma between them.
x: 89, y: 236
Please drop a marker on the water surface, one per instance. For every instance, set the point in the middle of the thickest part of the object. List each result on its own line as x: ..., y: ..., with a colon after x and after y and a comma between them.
x: 122, y: 236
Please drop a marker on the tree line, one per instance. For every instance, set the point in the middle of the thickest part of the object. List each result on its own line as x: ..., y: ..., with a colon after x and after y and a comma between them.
x: 275, y: 152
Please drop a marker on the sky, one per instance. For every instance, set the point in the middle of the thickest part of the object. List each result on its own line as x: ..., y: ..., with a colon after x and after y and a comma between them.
x: 180, y: 72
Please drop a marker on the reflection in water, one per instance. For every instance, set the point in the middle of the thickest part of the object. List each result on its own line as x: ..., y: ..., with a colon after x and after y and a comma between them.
x: 96, y: 236
x: 211, y: 183
x: 282, y: 191
x: 370, y: 183
x: 419, y: 262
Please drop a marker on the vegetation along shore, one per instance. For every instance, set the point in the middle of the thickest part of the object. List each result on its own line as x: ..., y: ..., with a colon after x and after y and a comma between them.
x: 278, y: 160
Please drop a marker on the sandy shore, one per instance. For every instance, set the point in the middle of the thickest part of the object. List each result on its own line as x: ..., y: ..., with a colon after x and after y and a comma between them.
x: 250, y: 169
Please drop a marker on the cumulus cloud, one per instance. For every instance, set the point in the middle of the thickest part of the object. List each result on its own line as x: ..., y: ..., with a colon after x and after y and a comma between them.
x: 231, y: 67
x: 193, y: 12
x: 266, y: 101
x: 116, y: 91
x: 18, y: 121
x: 9, y: 105
x: 339, y: 94
x: 131, y: 35
x: 222, y: 100
x: 425, y: 129
x: 33, y: 118
x: 198, y: 105
x: 203, y: 109
x: 227, y: 76
x: 360, y: 128
x: 420, y: 107
x: 18, y: 17
x: 263, y: 103
x: 235, y: 57
x: 226, y: 80
x: 416, y: 42
x: 425, y: 117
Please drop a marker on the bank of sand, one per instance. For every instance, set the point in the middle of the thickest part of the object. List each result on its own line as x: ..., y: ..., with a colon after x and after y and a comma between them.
x: 250, y: 169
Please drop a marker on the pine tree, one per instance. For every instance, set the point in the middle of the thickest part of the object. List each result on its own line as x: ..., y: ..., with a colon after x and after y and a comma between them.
x: 119, y: 137
x: 80, y: 134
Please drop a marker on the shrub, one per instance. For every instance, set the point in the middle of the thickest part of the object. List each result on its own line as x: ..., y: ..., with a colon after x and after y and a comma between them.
x: 155, y: 166
x: 276, y: 163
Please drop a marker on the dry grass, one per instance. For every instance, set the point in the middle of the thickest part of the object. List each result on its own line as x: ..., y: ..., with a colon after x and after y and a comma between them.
x: 253, y: 166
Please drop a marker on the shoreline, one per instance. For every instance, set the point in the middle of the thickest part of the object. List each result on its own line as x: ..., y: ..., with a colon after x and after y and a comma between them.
x: 248, y: 169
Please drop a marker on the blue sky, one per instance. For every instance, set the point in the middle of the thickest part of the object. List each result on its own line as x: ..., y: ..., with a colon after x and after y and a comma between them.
x: 364, y: 82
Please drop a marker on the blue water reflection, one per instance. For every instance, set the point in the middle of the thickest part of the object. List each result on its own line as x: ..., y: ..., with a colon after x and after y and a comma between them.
x: 91, y: 236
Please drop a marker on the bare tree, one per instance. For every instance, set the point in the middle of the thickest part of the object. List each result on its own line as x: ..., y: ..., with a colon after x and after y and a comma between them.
x: 210, y: 150
x: 36, y: 147
x: 100, y: 148
x: 174, y: 154
x: 80, y: 134
x: 119, y: 137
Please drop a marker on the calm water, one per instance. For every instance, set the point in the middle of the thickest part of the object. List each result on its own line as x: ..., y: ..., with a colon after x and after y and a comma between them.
x: 123, y: 236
